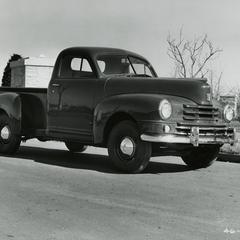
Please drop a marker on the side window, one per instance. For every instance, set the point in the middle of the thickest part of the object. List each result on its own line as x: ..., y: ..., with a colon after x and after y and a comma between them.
x: 86, y: 66
x: 75, y: 67
x: 76, y: 64
x: 102, y: 65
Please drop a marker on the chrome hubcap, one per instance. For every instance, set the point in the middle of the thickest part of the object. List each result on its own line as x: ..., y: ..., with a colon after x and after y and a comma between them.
x: 127, y: 146
x: 5, y: 133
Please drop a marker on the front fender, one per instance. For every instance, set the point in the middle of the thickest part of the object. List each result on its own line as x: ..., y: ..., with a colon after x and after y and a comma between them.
x: 141, y: 107
x: 10, y: 103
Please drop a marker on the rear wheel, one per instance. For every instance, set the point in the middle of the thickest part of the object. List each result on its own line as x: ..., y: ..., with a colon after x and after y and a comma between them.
x: 75, y: 147
x: 127, y: 151
x: 9, y: 141
x: 201, y: 157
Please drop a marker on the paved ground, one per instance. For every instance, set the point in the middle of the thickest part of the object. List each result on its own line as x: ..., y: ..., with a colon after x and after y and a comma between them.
x: 51, y: 194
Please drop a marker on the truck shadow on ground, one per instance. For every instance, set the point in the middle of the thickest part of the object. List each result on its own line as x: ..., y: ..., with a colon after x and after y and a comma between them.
x: 89, y: 161
x: 228, y: 157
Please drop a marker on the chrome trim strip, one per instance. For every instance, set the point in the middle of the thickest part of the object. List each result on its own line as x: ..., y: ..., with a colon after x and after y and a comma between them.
x: 204, y: 128
x: 206, y: 107
x: 174, y: 138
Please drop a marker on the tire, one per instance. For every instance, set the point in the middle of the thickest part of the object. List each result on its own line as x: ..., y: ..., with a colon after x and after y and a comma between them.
x: 9, y: 141
x: 201, y: 157
x: 125, y: 148
x: 75, y: 147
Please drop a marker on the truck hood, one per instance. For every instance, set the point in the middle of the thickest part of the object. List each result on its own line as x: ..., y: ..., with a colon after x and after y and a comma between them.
x: 196, y: 90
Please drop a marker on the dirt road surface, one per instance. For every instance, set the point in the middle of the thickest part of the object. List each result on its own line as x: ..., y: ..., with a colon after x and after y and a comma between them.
x: 49, y: 194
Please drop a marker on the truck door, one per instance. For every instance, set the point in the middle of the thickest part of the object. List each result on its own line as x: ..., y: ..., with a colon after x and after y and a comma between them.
x: 71, y: 97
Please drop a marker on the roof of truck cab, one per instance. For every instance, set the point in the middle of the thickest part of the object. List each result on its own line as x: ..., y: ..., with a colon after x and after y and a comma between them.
x: 95, y: 51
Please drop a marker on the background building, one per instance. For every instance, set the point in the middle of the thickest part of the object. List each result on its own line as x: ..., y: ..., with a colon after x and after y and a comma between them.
x: 31, y: 72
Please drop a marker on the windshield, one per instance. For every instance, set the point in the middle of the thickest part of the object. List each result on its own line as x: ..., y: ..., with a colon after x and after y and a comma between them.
x: 124, y: 65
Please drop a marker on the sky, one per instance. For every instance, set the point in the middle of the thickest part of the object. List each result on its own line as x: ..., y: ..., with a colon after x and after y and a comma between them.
x: 33, y: 28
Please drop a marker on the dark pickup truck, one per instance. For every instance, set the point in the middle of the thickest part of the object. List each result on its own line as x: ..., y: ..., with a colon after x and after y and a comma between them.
x: 113, y: 98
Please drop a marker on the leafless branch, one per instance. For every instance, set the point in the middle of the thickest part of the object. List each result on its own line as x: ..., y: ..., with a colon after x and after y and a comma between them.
x: 191, y: 57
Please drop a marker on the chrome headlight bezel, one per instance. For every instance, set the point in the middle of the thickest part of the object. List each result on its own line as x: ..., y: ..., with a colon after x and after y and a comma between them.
x: 165, y: 109
x: 228, y: 113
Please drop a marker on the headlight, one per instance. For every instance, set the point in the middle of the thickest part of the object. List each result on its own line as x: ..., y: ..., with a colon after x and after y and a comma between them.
x: 165, y: 109
x: 228, y: 113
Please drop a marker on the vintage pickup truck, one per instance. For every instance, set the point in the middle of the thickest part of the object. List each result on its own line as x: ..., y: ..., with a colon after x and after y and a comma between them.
x: 113, y: 98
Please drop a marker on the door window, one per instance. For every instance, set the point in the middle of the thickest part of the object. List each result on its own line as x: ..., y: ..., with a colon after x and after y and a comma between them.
x: 75, y: 67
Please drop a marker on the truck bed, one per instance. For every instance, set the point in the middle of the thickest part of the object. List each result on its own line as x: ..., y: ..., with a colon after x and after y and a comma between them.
x: 34, y: 108
x: 23, y: 90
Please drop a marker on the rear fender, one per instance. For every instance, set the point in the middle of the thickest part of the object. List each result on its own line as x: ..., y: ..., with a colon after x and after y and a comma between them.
x: 10, y: 104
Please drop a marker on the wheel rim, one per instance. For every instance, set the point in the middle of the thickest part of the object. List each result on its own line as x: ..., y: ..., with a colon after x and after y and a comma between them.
x: 5, y: 133
x: 127, y: 146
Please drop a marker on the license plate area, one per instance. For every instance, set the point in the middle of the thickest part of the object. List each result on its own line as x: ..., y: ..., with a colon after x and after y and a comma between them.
x: 194, y: 136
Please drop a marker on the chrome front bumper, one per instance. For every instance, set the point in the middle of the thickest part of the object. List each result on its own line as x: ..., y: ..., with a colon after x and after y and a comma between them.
x: 193, y: 138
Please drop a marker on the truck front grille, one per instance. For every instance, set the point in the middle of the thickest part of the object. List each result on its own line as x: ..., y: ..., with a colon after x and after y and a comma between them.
x: 200, y: 112
x: 216, y: 131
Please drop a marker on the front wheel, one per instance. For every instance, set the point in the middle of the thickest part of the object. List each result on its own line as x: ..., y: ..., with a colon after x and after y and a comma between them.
x: 201, y: 157
x: 9, y: 141
x: 125, y: 148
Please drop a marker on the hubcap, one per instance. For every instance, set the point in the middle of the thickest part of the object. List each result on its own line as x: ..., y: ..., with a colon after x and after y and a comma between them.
x: 5, y: 133
x: 127, y: 146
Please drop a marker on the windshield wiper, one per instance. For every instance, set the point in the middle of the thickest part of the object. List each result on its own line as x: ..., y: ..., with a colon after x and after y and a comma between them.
x: 138, y: 75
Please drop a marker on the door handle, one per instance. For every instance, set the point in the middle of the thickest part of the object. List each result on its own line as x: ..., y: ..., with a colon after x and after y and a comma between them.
x: 55, y: 85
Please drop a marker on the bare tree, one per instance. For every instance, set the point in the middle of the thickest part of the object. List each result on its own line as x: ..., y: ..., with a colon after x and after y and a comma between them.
x: 192, y: 58
x: 215, y: 83
x: 235, y: 91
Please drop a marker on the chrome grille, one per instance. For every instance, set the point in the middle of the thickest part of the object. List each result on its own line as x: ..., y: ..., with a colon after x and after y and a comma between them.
x: 215, y: 131
x: 200, y: 112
